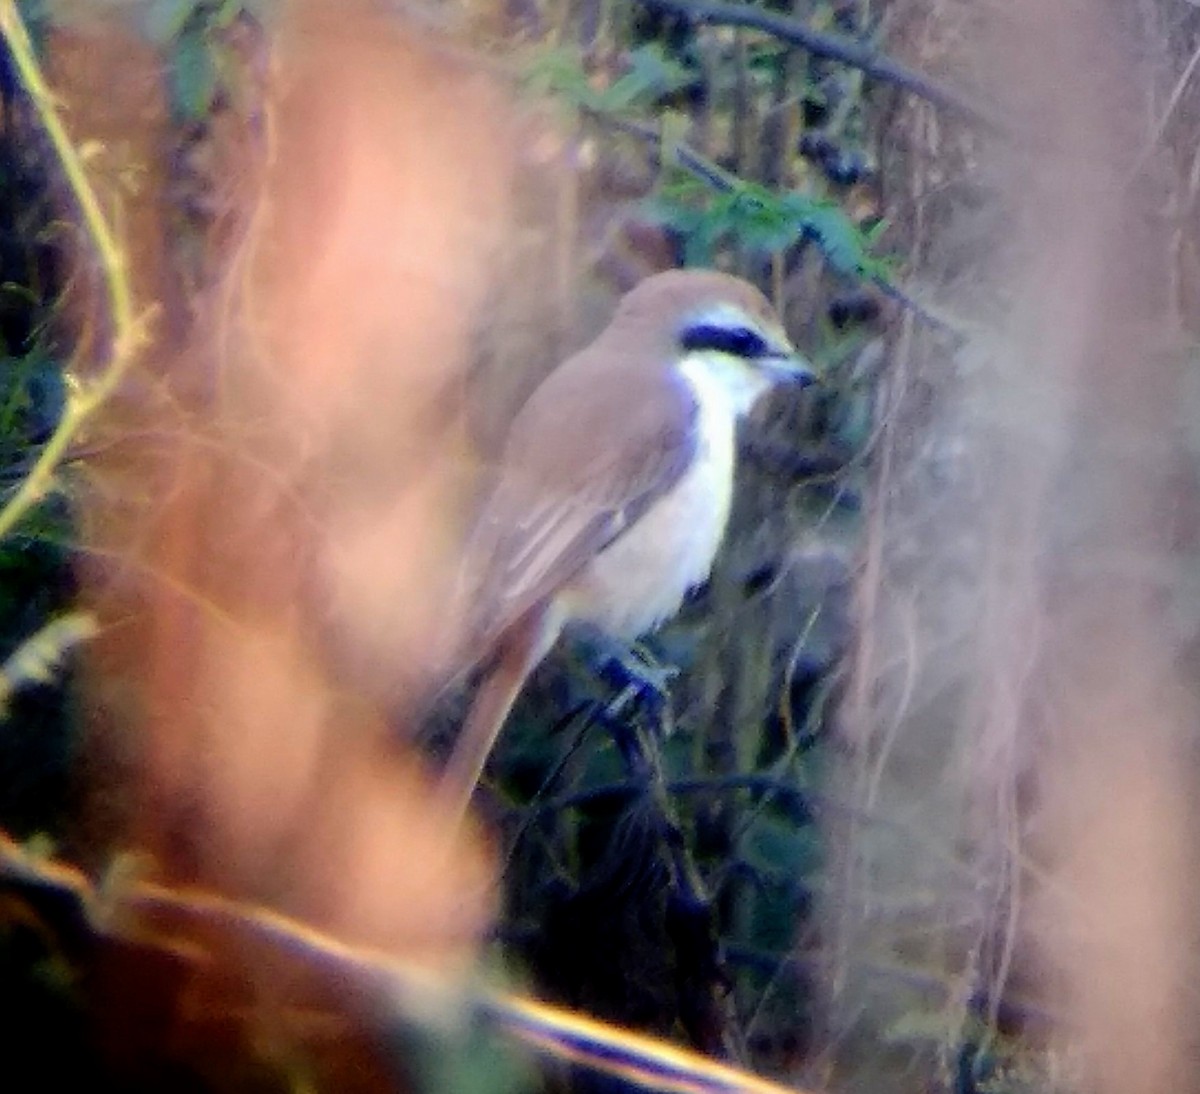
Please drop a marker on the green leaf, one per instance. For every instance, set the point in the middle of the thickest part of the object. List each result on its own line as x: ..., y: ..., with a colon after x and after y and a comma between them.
x: 759, y: 220
x: 657, y: 70
x: 667, y: 209
x: 844, y: 246
x: 651, y: 75
x: 619, y: 96
x: 163, y: 21
x: 193, y: 76
x: 875, y: 232
x: 558, y: 72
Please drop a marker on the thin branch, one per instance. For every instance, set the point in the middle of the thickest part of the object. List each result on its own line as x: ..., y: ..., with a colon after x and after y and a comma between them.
x: 129, y: 329
x: 684, y: 155
x: 833, y: 46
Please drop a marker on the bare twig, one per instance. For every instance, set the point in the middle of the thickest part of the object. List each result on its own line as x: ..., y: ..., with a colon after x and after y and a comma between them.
x: 836, y: 48
x: 684, y: 155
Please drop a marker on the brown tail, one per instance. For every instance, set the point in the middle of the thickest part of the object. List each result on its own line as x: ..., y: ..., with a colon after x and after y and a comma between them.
x: 518, y: 654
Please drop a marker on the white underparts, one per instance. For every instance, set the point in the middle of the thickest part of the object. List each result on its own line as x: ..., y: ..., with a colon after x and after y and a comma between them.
x: 640, y: 580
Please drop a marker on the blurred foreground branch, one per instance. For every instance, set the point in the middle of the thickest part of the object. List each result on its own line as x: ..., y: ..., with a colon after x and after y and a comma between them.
x: 183, y: 921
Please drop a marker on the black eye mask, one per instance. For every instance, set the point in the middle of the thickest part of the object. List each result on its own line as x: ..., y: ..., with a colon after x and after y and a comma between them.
x: 736, y: 341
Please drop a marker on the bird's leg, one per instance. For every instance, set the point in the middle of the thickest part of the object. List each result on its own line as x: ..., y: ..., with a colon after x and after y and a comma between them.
x: 627, y: 668
x: 640, y: 679
x: 518, y: 654
x: 633, y: 664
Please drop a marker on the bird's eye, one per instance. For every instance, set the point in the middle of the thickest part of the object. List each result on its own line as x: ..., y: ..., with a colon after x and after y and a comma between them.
x: 736, y: 341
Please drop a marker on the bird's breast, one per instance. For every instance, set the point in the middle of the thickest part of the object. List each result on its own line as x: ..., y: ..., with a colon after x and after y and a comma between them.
x: 642, y: 577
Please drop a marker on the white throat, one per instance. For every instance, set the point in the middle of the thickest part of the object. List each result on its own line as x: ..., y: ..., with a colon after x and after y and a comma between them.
x: 723, y: 382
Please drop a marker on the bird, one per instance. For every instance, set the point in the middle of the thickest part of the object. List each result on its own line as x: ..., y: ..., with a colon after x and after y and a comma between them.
x: 613, y: 487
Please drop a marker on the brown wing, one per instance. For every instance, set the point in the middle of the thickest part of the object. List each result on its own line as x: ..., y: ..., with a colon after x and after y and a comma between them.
x: 584, y: 460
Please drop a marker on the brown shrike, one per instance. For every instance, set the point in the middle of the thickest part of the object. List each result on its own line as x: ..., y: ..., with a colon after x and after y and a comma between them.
x: 613, y: 489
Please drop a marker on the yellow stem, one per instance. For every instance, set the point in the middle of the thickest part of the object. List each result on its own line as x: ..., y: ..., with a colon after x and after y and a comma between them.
x: 129, y: 331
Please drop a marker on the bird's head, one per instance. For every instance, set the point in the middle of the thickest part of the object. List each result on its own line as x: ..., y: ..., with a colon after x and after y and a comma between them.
x: 719, y: 326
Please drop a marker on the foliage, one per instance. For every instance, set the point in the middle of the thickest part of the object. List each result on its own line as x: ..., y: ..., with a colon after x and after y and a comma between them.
x: 35, y: 580
x: 712, y: 211
x: 691, y: 856
x: 650, y: 75
x: 764, y: 222
x: 663, y: 856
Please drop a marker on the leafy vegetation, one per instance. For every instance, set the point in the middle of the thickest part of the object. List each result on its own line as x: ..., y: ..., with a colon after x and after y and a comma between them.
x: 662, y: 853
x: 35, y: 578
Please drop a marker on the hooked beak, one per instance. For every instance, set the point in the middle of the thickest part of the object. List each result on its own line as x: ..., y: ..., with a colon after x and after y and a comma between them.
x: 788, y: 366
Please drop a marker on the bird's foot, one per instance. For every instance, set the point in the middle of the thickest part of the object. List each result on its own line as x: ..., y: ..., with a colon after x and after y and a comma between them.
x: 636, y: 675
x: 632, y: 672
